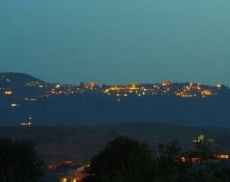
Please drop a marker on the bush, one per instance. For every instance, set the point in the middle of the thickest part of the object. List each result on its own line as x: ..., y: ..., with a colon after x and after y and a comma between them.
x: 19, y: 161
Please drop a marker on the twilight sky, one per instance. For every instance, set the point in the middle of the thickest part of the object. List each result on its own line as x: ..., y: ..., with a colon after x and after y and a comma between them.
x: 117, y: 41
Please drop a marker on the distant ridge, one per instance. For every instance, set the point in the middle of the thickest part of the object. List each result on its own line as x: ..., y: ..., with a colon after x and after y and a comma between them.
x: 24, y: 96
x: 17, y: 78
x: 24, y: 77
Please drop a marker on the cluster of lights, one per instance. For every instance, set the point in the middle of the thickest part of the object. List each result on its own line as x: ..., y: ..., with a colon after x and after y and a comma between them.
x: 125, y: 91
x: 164, y: 88
x: 57, y: 92
x: 61, y: 89
x: 196, y: 160
x: 36, y: 84
x: 90, y: 86
x: 206, y: 92
x: 222, y: 156
x: 194, y: 90
x: 27, y: 123
x: 77, y: 175
x: 65, y: 179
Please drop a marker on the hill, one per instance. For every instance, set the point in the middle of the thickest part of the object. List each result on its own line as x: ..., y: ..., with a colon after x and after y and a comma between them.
x: 23, y: 96
x: 10, y: 79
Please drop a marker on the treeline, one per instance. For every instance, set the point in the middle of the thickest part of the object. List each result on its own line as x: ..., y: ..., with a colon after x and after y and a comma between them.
x: 122, y: 160
x: 127, y: 160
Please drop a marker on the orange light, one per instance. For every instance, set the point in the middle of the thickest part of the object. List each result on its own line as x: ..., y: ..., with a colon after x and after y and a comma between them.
x: 8, y: 93
x: 223, y: 156
x: 206, y: 93
x: 133, y: 86
x: 183, y: 159
x: 68, y: 162
x: 64, y: 180
x: 166, y: 83
x: 90, y: 85
x: 52, y: 167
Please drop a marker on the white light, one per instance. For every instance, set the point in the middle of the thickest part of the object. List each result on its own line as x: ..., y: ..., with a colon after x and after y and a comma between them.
x: 57, y: 86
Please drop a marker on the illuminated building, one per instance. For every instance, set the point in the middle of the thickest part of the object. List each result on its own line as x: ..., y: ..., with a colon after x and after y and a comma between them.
x: 166, y: 83
x: 222, y: 156
x: 8, y: 93
x: 27, y: 123
x: 89, y: 86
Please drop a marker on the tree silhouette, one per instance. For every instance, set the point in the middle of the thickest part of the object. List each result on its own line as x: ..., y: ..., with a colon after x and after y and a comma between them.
x: 19, y: 161
x: 127, y: 160
x: 123, y: 159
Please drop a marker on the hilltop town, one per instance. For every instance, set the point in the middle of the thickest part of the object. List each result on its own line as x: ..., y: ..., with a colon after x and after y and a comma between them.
x: 31, y: 98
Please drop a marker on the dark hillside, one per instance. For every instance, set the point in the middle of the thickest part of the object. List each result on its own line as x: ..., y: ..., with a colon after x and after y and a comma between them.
x: 80, y: 142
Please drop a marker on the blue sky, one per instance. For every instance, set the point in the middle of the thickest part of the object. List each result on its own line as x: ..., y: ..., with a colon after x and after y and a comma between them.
x: 117, y: 41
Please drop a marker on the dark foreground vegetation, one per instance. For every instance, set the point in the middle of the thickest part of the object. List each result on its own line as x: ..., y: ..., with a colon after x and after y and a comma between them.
x: 122, y: 160
x: 127, y: 160
x: 19, y: 161
x: 81, y: 142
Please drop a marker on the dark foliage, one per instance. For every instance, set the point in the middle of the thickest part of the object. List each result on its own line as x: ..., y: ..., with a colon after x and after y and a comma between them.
x: 122, y: 160
x: 19, y: 161
x: 126, y: 160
